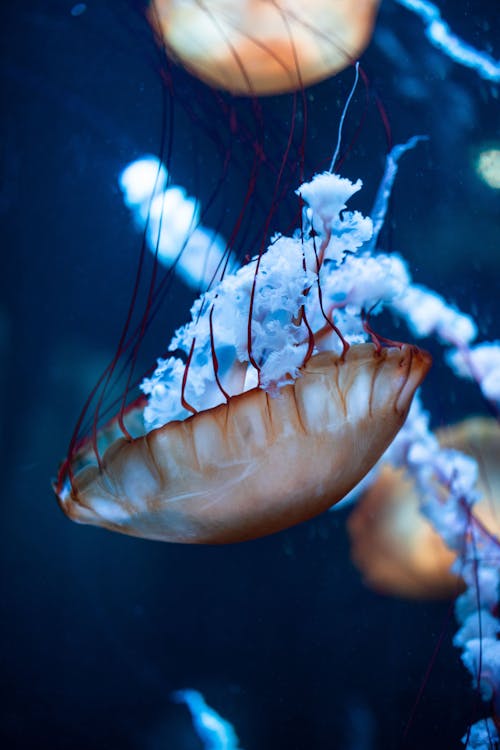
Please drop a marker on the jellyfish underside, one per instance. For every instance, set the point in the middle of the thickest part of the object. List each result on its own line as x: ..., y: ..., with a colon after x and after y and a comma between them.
x: 256, y: 464
x: 263, y: 47
x: 395, y: 547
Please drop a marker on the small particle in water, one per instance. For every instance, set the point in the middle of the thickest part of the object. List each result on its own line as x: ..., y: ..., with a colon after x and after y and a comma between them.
x: 78, y: 9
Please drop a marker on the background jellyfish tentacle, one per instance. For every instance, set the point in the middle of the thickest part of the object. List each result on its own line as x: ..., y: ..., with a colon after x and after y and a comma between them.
x: 174, y: 231
x: 215, y: 732
x: 440, y: 34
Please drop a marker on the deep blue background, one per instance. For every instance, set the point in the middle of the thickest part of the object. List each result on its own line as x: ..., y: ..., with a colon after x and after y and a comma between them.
x: 280, y: 634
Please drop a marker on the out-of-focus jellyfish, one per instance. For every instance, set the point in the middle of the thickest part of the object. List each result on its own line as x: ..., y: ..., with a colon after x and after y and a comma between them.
x: 488, y: 166
x: 273, y: 417
x: 395, y: 546
x: 264, y: 47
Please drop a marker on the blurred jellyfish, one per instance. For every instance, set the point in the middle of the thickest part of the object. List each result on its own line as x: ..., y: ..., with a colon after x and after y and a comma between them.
x: 260, y: 47
x: 488, y: 167
x: 215, y: 732
x: 483, y: 735
x: 395, y: 546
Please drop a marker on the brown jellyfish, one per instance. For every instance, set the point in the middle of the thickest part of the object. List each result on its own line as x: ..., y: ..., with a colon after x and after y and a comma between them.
x: 395, y: 547
x: 261, y: 47
x: 251, y: 466
x: 250, y: 461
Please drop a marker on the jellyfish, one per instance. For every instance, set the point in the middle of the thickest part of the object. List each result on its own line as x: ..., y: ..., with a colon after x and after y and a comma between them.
x: 395, y: 546
x: 262, y: 47
x: 275, y: 414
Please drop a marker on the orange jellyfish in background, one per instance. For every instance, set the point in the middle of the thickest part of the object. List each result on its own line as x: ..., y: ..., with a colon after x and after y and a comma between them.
x: 262, y: 47
x: 273, y: 416
x: 395, y: 547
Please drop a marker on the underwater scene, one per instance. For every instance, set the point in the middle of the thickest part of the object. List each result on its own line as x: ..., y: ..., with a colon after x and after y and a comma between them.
x: 250, y: 342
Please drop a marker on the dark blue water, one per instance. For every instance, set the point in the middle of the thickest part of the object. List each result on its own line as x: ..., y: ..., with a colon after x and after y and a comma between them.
x: 281, y: 636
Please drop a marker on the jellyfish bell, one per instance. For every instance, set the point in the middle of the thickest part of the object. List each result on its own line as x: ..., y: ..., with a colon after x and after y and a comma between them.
x: 395, y: 547
x: 256, y: 464
x: 262, y: 47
